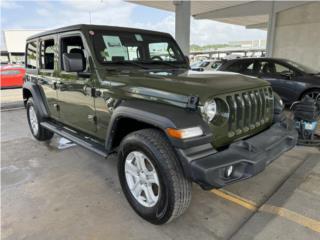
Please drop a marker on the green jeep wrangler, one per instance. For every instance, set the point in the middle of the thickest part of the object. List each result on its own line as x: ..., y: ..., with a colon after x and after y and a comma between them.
x: 130, y: 91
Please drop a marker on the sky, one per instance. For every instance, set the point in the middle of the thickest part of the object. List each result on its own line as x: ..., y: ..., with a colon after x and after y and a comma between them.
x: 48, y: 14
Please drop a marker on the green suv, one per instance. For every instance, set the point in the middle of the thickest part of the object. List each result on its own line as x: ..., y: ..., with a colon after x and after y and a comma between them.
x: 130, y: 92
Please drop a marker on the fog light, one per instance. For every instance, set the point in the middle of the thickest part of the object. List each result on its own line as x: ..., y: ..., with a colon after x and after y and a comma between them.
x: 229, y: 171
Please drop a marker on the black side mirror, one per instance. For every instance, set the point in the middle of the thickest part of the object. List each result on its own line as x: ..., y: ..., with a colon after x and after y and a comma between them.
x: 287, y: 74
x: 73, y: 62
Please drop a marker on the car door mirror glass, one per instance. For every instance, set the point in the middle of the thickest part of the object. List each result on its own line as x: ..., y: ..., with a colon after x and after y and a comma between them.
x: 73, y: 62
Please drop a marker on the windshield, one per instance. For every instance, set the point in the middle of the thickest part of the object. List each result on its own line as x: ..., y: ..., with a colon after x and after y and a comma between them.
x: 129, y: 47
x: 302, y: 67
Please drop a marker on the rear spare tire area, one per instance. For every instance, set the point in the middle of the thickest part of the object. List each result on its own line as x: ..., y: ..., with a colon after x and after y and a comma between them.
x: 152, y: 178
x: 39, y: 132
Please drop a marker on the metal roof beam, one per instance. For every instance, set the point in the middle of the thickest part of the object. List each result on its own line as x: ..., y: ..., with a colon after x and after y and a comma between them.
x: 258, y: 26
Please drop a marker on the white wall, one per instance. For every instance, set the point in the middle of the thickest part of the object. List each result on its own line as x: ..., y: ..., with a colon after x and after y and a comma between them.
x: 15, y: 40
x: 297, y: 34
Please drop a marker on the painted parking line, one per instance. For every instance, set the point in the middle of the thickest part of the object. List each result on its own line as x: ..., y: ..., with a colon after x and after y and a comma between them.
x: 235, y: 199
x: 279, y: 211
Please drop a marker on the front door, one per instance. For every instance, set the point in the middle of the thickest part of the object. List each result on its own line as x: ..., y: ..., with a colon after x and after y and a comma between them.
x: 76, y: 102
x: 278, y: 75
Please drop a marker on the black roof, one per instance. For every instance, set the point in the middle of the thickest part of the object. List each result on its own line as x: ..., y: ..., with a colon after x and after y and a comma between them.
x: 87, y: 27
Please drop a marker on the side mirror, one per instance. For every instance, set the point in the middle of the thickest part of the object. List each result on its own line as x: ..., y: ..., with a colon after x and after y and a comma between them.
x: 73, y: 62
x: 287, y: 74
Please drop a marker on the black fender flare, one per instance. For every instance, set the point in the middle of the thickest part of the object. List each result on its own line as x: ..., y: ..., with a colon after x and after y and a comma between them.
x: 161, y: 116
x: 38, y: 96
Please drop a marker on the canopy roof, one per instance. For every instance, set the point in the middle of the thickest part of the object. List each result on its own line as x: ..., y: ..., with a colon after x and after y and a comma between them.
x: 252, y: 14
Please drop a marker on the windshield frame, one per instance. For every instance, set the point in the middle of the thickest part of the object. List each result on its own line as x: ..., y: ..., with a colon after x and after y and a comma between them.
x: 162, y: 36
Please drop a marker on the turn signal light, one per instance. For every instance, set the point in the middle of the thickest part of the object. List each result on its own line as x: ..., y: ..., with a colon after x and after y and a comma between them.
x: 185, y: 133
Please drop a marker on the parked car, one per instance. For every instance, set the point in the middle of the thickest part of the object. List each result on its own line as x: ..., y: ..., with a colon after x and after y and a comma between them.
x: 292, y: 81
x: 205, y: 65
x: 130, y: 91
x: 11, y: 76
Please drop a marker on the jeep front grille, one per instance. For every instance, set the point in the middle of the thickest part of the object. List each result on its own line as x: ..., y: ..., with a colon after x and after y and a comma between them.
x: 249, y: 110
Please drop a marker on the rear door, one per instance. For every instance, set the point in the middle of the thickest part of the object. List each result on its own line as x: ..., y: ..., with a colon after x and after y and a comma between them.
x: 75, y: 89
x: 43, y: 52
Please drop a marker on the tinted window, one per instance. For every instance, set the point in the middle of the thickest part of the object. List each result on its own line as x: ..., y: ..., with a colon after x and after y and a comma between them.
x: 280, y: 69
x: 241, y: 67
x: 47, y: 54
x: 31, y: 61
x: 235, y: 67
x: 204, y: 64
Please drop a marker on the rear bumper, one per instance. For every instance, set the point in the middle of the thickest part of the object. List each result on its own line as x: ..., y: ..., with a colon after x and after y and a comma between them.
x: 248, y: 157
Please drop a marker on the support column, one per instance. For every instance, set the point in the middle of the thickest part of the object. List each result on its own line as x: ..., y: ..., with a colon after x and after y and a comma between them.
x: 271, y: 29
x: 182, y: 25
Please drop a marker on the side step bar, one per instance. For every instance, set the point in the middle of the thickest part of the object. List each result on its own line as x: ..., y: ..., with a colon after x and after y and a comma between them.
x: 82, y: 141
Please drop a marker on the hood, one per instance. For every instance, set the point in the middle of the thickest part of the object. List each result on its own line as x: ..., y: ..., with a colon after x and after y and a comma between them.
x: 177, y: 86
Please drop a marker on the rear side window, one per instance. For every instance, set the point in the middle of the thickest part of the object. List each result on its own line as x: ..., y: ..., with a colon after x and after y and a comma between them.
x: 47, y: 54
x: 235, y: 67
x: 31, y: 56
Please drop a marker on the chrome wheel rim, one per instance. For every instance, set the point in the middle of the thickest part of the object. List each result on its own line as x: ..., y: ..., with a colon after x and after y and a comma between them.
x: 142, y: 179
x: 33, y: 120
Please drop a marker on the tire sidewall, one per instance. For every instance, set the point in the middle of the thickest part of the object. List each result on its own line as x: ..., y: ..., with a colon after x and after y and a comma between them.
x: 29, y: 104
x: 159, y: 213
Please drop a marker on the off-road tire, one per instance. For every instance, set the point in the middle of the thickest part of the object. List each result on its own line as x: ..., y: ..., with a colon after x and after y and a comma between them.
x: 175, y: 188
x: 42, y: 134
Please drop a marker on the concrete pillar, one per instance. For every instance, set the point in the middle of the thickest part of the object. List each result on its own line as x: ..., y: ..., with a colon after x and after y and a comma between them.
x: 271, y: 29
x: 182, y: 25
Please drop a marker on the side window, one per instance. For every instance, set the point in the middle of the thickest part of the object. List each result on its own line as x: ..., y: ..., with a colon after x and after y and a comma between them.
x: 235, y: 67
x: 265, y: 67
x: 31, y: 56
x: 47, y: 54
x: 72, y: 44
x: 248, y: 68
x: 280, y: 69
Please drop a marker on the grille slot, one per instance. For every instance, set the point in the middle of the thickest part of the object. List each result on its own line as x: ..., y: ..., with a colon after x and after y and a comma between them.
x: 249, y: 110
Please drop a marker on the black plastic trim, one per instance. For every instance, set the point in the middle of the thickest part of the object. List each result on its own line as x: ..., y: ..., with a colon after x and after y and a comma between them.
x: 161, y: 116
x: 248, y: 157
x: 76, y: 138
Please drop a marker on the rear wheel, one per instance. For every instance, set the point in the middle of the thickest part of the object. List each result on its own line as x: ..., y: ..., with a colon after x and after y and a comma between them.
x: 39, y: 132
x: 312, y: 94
x: 152, y: 178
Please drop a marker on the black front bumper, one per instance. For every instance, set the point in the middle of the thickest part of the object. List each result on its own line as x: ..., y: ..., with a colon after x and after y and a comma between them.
x: 248, y: 157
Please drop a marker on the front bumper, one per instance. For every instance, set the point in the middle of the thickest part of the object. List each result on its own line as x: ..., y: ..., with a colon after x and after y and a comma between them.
x: 248, y: 157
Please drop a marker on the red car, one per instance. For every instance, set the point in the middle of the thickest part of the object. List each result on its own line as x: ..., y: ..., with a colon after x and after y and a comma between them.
x: 11, y: 76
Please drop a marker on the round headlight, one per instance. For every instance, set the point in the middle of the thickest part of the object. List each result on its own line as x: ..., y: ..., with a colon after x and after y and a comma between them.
x: 209, y: 110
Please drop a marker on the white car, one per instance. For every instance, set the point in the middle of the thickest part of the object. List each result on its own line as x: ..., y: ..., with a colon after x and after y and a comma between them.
x: 205, y: 65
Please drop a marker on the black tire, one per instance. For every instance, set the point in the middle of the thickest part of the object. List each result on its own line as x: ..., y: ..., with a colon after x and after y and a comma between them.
x: 175, y: 189
x: 42, y: 134
x: 313, y: 93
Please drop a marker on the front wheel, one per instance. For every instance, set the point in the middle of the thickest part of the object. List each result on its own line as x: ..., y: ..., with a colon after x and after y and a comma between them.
x: 39, y: 132
x: 152, y: 178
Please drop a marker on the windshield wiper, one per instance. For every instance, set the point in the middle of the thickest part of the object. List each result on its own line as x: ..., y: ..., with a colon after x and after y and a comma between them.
x: 129, y: 62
